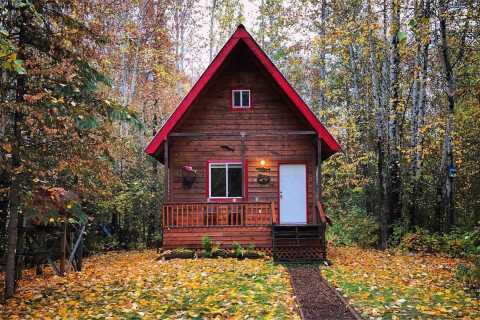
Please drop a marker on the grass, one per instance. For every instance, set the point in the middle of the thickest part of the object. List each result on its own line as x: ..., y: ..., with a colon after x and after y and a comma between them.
x: 382, y: 285
x: 133, y: 285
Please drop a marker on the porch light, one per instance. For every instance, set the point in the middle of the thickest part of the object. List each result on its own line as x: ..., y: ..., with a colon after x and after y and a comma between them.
x: 262, y: 163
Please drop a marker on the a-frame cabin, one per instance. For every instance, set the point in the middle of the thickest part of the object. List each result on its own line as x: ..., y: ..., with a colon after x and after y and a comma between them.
x: 242, y: 155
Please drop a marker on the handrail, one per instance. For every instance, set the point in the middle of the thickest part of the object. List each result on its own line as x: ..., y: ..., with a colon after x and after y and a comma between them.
x: 213, y: 202
x: 324, y: 218
x: 206, y: 214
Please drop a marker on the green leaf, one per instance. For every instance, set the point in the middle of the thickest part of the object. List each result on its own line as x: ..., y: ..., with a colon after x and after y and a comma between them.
x: 18, y: 66
x: 402, y: 36
x: 87, y: 123
x: 412, y: 23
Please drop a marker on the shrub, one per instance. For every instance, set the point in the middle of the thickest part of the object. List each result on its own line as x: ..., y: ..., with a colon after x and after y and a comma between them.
x: 355, y: 227
x: 458, y: 244
x: 462, y: 243
x: 470, y: 276
x: 421, y: 241
x: 207, y: 245
x: 179, y: 253
x: 216, y: 248
x: 238, y: 250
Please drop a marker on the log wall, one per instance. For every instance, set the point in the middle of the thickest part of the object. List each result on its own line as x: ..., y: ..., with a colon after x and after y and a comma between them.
x: 261, y: 237
x: 212, y: 113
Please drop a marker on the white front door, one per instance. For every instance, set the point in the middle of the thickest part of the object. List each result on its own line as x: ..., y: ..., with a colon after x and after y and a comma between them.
x: 293, y: 193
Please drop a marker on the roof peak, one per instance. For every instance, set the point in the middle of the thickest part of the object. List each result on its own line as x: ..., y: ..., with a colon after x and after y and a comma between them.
x: 241, y: 34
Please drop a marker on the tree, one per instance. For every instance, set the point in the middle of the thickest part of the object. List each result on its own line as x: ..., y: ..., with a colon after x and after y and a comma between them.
x: 55, y: 109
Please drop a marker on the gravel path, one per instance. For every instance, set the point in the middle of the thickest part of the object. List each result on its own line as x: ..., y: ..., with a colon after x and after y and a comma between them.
x: 316, y: 299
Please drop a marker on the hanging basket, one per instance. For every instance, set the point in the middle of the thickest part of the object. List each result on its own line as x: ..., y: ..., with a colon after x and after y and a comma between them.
x: 189, y: 175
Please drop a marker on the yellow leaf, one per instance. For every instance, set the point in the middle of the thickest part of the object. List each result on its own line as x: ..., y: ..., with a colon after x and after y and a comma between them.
x: 7, y: 147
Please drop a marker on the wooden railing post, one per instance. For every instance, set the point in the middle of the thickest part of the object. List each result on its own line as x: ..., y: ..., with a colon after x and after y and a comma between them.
x: 218, y: 214
x: 272, y: 214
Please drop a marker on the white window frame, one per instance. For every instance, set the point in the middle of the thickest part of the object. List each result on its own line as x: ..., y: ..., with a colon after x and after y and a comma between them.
x: 241, y: 99
x: 226, y: 164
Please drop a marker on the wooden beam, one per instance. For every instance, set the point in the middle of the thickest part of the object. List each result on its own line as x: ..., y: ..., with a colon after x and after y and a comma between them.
x: 167, y: 173
x: 319, y: 168
x: 318, y: 174
x: 255, y: 133
x: 243, y: 137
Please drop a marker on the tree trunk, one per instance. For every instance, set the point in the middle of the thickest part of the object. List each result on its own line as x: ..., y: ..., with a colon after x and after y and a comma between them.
x: 210, y: 33
x: 321, y: 57
x: 418, y: 105
x: 379, y: 104
x: 447, y: 189
x: 394, y: 183
x: 16, y: 177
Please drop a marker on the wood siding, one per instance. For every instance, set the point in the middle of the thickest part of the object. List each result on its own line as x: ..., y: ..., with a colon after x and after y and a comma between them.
x: 212, y: 112
x: 261, y: 237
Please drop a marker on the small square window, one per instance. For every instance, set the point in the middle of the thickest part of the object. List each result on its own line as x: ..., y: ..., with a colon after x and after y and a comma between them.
x: 241, y: 98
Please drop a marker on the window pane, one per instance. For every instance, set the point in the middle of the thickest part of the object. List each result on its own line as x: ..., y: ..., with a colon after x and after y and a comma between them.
x: 218, y: 181
x: 235, y: 180
x: 245, y: 98
x: 236, y: 99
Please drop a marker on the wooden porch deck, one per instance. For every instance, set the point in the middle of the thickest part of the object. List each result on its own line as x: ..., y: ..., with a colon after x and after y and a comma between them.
x: 246, y: 223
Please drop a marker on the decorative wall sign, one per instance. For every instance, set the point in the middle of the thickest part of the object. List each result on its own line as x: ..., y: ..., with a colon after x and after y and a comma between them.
x: 263, y: 179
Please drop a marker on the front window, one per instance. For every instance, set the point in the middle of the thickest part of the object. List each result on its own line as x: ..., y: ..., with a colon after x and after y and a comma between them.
x: 226, y: 180
x: 241, y: 98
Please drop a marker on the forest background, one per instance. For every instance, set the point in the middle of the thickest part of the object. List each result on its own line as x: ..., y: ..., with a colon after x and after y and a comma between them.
x: 84, y: 86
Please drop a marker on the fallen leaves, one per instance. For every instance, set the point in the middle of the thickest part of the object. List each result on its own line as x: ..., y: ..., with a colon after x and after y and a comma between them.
x: 381, y: 285
x: 134, y: 285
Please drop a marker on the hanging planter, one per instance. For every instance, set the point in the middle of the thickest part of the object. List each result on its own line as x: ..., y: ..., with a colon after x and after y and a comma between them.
x: 189, y: 175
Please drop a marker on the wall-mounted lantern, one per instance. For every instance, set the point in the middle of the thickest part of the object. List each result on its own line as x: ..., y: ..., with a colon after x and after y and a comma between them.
x: 263, y: 178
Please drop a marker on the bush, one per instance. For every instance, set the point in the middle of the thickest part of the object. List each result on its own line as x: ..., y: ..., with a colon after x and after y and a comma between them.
x: 462, y: 243
x: 421, y: 241
x: 238, y: 250
x: 470, y: 276
x: 216, y: 248
x: 354, y: 228
x: 179, y: 253
x: 207, y: 245
x: 457, y: 244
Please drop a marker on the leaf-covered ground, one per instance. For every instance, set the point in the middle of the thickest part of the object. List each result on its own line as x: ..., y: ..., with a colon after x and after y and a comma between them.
x: 133, y: 285
x: 385, y: 286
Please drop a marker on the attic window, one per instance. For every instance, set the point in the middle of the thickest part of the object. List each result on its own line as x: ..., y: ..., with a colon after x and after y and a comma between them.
x: 240, y: 99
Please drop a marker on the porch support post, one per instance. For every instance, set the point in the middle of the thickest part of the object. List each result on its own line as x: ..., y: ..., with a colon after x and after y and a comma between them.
x: 166, y: 171
x: 243, y: 136
x: 318, y: 194
x: 318, y: 177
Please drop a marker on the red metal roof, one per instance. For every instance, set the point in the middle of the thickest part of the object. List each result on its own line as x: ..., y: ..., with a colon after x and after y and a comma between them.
x: 242, y: 35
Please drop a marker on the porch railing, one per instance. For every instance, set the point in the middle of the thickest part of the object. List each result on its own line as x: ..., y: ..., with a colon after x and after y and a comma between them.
x: 218, y: 214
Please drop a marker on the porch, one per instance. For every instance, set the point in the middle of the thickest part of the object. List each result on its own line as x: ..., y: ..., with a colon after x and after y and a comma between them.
x: 246, y: 223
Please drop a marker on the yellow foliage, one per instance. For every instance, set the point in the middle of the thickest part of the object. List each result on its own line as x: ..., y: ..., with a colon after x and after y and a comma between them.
x: 134, y: 285
x: 384, y: 285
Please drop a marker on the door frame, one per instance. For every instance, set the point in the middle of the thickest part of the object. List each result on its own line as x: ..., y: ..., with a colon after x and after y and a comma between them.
x: 307, y: 189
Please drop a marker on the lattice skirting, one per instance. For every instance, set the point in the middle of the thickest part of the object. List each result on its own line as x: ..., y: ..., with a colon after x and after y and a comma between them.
x: 298, y: 254
x: 290, y: 253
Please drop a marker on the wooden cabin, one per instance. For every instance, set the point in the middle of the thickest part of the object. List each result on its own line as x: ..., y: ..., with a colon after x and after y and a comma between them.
x: 242, y: 156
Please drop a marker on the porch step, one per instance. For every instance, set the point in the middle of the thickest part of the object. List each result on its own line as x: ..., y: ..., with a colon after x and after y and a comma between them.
x: 297, y: 242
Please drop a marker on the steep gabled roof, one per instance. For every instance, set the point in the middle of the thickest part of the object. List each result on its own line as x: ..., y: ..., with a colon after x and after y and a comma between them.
x: 331, y: 146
